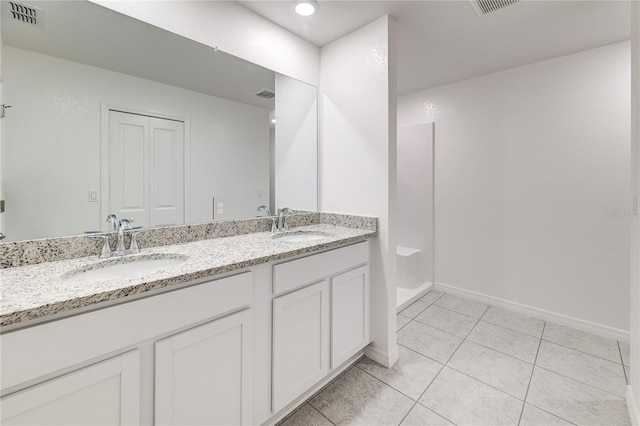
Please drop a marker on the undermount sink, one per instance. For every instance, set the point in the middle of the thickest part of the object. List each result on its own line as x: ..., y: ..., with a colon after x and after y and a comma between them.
x: 301, y: 236
x: 125, y: 267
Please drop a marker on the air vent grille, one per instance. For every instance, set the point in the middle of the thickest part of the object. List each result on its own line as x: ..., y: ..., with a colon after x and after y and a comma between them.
x: 482, y: 7
x: 23, y: 13
x: 265, y: 93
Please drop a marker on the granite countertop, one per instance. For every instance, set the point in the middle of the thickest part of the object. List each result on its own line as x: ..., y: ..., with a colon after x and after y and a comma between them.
x: 38, y: 291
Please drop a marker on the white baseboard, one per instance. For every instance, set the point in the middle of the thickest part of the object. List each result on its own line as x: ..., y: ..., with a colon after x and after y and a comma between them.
x: 420, y: 291
x: 634, y: 413
x: 383, y: 358
x: 601, y: 330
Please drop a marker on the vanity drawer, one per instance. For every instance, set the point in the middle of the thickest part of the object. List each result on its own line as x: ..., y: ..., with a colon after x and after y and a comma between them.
x: 37, y: 351
x: 297, y: 273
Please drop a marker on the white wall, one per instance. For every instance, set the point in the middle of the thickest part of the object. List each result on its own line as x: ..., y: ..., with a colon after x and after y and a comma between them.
x: 357, y: 154
x: 2, y: 137
x: 53, y: 142
x: 415, y: 193
x: 233, y: 29
x: 528, y: 163
x: 296, y: 145
x: 633, y: 402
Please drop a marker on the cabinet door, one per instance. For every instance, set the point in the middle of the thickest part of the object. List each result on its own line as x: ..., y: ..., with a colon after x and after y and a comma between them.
x: 203, y: 376
x: 300, y: 342
x: 350, y: 314
x: 107, y: 393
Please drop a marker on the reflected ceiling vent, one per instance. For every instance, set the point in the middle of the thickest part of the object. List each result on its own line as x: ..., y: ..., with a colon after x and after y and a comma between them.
x: 23, y: 13
x: 483, y: 7
x: 265, y: 93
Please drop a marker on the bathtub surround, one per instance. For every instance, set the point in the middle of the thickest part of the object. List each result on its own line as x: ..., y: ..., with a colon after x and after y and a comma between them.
x: 31, y: 252
x: 415, y: 212
x: 528, y: 162
x: 415, y: 193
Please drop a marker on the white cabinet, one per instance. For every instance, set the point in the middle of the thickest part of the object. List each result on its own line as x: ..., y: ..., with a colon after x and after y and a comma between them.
x: 106, y: 393
x: 203, y: 375
x: 300, y: 342
x: 203, y: 369
x: 322, y: 322
x: 350, y: 314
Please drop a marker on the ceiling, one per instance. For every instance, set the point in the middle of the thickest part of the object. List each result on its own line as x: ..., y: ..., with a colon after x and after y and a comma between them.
x: 441, y: 42
x: 83, y: 32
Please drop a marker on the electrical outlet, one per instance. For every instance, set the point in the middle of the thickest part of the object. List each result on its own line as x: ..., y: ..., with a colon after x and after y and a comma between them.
x: 220, y: 211
x: 220, y: 204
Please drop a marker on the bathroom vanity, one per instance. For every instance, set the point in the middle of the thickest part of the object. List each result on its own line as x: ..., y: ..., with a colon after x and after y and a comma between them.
x: 240, y: 331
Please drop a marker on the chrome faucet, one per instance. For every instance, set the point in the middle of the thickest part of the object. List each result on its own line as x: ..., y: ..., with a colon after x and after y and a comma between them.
x: 274, y: 220
x: 282, y: 218
x: 123, y: 225
x: 112, y: 220
x: 120, y: 227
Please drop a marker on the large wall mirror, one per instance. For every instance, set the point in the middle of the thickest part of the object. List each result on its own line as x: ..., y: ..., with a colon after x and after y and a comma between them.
x: 112, y: 115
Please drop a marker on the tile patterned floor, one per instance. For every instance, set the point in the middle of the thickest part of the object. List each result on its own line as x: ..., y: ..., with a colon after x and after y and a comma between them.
x: 466, y: 363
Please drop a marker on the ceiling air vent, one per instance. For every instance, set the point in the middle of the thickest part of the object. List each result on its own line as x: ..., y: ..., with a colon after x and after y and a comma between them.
x: 483, y: 7
x: 23, y: 13
x: 265, y: 93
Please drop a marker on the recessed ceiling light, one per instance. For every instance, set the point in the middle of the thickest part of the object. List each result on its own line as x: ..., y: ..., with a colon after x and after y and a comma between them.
x: 306, y: 7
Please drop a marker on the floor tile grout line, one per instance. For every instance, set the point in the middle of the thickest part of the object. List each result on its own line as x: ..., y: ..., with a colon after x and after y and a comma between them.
x: 526, y: 394
x: 457, y: 312
x: 474, y: 325
x: 322, y: 414
x: 454, y: 311
x: 472, y: 341
x: 624, y: 370
x: 582, y: 383
x: 422, y: 394
x: 555, y: 415
x: 462, y: 337
x: 439, y: 329
x: 420, y: 300
x: 484, y: 383
x: 434, y: 411
x: 463, y: 340
x: 584, y: 352
x: 415, y: 402
x: 403, y: 325
x: 385, y: 383
x: 410, y: 409
x: 513, y: 329
x: 434, y: 300
x: 421, y: 354
x: 429, y: 385
x: 518, y: 331
x: 332, y: 381
x: 503, y: 353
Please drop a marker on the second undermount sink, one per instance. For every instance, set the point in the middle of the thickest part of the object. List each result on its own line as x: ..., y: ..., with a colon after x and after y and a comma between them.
x: 301, y: 236
x: 125, y: 267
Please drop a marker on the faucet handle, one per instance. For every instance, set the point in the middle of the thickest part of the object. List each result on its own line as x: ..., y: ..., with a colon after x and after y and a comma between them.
x: 112, y: 220
x: 133, y: 247
x: 125, y: 223
x: 265, y: 209
x: 106, y: 249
